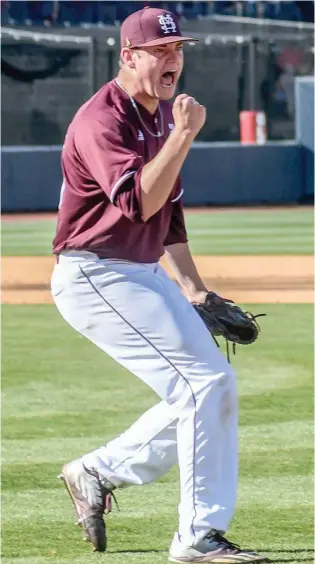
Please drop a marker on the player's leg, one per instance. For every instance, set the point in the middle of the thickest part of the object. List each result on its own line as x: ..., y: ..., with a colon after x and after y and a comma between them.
x: 156, y: 454
x: 119, y: 307
x: 143, y: 453
x: 147, y: 450
x: 138, y: 315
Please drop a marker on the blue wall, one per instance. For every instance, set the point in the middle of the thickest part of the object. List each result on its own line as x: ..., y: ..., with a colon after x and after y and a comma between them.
x: 30, y: 178
x: 214, y: 173
x: 304, y: 125
x: 229, y: 173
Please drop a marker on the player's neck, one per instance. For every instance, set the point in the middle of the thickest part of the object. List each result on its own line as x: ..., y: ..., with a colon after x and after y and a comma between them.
x: 133, y: 90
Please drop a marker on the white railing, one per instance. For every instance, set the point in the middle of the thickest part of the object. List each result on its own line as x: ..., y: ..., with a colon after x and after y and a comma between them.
x: 37, y: 37
x: 265, y: 22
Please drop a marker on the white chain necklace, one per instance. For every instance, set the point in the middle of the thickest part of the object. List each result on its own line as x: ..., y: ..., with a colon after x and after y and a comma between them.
x: 133, y: 102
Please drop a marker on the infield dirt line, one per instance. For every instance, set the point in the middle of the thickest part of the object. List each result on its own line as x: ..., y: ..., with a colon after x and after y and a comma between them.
x: 245, y: 279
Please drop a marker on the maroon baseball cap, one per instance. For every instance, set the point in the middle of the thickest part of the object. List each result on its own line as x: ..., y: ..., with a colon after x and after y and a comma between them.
x: 149, y: 27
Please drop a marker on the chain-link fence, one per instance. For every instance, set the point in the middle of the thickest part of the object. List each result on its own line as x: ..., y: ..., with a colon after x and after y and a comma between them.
x: 47, y: 76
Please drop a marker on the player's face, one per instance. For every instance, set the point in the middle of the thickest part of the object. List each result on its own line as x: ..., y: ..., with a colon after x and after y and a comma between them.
x: 158, y: 69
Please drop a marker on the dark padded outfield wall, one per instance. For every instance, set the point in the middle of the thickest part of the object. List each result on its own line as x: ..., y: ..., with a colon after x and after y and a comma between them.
x: 214, y: 173
x: 304, y: 120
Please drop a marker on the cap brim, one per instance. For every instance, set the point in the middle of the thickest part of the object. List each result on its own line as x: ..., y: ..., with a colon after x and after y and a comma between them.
x: 165, y: 41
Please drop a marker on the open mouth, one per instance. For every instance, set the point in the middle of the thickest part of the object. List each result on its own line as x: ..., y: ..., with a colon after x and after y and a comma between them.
x: 168, y: 79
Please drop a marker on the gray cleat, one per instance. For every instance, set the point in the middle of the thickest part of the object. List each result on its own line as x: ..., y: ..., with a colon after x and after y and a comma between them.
x: 212, y: 549
x: 91, y: 499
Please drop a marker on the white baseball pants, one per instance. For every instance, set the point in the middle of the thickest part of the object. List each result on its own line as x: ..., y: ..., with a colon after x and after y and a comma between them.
x: 138, y: 315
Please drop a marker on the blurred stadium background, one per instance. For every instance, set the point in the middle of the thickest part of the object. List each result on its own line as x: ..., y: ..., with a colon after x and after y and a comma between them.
x: 61, y: 395
x: 252, y: 55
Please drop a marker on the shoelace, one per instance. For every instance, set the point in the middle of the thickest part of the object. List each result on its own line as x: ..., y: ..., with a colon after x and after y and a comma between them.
x: 106, y: 494
x: 108, y: 502
x: 220, y: 539
x: 254, y: 317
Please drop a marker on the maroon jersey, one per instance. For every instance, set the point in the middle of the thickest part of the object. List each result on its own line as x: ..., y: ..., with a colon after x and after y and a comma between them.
x: 105, y: 148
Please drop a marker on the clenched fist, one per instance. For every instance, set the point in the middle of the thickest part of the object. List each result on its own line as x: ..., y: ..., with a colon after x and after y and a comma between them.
x: 189, y: 116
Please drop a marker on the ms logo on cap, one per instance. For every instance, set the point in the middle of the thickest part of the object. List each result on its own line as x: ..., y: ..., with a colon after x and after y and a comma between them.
x: 167, y: 23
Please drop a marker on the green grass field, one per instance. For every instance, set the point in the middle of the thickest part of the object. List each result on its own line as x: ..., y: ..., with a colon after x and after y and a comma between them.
x: 63, y: 397
x: 260, y: 232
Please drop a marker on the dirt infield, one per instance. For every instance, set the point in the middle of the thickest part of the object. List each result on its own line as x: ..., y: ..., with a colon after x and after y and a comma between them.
x: 245, y: 279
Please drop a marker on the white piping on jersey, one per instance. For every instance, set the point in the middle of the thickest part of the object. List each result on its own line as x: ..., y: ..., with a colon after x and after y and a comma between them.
x: 119, y: 182
x: 179, y: 196
x: 128, y: 175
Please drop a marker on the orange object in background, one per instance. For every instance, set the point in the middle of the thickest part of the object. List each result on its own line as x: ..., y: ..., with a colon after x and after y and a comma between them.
x: 253, y: 127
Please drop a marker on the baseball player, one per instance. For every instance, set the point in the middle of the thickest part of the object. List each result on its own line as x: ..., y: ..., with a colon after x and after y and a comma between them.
x: 120, y: 211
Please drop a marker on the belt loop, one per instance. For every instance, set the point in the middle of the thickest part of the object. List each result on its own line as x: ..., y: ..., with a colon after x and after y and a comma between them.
x: 57, y: 259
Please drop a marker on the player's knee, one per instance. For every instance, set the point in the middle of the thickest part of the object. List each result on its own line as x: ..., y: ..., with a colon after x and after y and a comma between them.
x: 228, y: 378
x: 225, y: 380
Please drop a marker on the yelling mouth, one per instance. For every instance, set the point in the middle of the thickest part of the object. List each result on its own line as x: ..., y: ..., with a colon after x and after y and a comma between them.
x: 168, y: 78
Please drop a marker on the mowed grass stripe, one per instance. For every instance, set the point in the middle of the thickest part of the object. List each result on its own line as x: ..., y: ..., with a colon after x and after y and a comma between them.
x: 255, y: 216
x: 252, y: 438
x: 45, y: 503
x: 253, y: 410
x: 212, y: 248
x: 259, y: 513
x: 43, y: 398
x: 283, y: 462
x: 278, y: 231
x: 45, y: 225
x: 232, y: 232
x: 133, y: 557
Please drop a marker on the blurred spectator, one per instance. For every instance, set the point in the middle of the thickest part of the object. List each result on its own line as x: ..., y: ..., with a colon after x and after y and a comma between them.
x: 4, y: 12
x: 190, y: 10
x: 221, y: 7
x: 52, y: 15
x: 17, y: 12
x: 93, y: 12
x: 250, y: 8
x: 74, y: 12
x: 124, y: 9
x: 286, y: 10
x: 39, y: 12
x: 306, y: 10
x: 240, y: 8
x: 105, y: 12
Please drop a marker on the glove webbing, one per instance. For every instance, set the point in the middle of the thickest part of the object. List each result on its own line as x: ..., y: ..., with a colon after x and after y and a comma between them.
x: 253, y: 317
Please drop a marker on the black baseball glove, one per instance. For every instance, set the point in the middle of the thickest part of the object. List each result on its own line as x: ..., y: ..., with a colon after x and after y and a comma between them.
x: 225, y: 319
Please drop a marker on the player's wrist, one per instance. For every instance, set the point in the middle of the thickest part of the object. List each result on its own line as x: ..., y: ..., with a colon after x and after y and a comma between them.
x: 182, y: 135
x: 195, y: 294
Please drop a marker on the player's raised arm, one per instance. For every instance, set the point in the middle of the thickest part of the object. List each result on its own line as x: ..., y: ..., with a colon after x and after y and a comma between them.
x: 159, y: 175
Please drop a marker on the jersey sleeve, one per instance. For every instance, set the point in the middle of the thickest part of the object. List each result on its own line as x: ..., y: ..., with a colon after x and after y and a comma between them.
x: 108, y: 155
x: 177, y: 230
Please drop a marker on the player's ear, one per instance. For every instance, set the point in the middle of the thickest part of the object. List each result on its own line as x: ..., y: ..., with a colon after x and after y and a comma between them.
x: 127, y: 57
